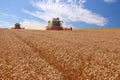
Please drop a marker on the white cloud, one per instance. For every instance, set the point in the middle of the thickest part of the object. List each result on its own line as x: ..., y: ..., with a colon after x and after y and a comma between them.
x: 68, y: 10
x: 5, y: 20
x: 8, y: 15
x: 5, y: 24
x: 26, y: 23
x: 32, y: 24
x: 110, y: 1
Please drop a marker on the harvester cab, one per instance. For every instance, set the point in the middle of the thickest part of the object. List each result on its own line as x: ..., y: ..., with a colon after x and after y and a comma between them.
x: 56, y: 22
x: 17, y: 26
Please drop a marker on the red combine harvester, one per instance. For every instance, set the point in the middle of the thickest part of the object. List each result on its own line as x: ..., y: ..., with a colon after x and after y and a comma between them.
x: 17, y: 26
x: 56, y: 24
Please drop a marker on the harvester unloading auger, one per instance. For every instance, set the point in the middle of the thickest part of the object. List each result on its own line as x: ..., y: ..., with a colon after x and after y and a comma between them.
x: 56, y: 24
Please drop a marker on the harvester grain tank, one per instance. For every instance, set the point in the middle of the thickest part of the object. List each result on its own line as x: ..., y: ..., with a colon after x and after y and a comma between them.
x: 56, y: 24
x: 17, y: 26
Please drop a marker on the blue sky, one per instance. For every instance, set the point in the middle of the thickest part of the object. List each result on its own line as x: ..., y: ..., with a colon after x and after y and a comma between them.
x: 34, y: 14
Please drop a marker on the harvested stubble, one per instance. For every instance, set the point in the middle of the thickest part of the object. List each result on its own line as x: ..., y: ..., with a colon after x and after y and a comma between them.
x: 88, y: 54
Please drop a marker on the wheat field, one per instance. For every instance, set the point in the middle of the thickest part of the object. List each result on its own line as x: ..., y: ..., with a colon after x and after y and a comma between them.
x: 84, y: 54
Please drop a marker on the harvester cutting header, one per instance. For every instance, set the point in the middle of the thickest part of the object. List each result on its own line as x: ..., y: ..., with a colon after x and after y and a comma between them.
x: 56, y: 24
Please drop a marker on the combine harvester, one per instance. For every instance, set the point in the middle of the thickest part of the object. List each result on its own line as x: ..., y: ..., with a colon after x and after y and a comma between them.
x: 17, y: 26
x: 56, y: 24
